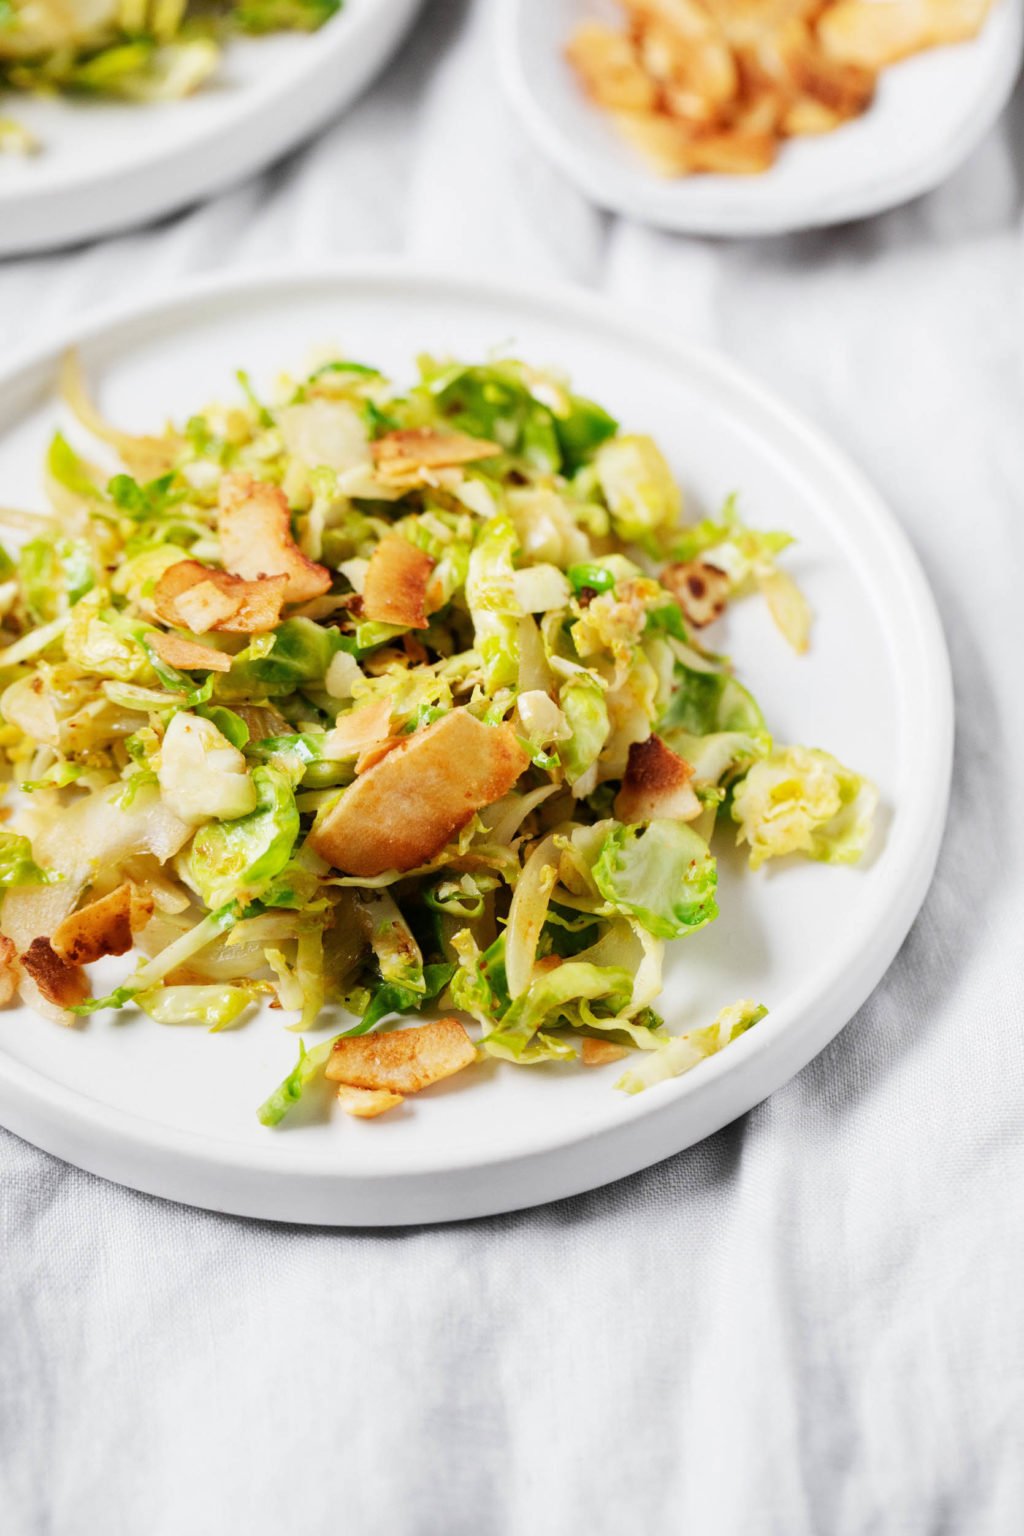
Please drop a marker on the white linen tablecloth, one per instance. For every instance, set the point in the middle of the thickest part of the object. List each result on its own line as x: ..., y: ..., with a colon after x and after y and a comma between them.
x: 811, y: 1325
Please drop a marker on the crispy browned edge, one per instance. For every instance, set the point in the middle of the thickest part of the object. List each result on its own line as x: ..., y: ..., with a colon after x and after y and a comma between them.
x: 700, y: 588
x: 397, y: 578
x: 653, y: 768
x: 60, y: 984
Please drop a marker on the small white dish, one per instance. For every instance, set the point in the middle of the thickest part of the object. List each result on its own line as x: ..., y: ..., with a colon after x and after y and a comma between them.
x: 173, y: 1110
x: 929, y: 114
x: 107, y: 165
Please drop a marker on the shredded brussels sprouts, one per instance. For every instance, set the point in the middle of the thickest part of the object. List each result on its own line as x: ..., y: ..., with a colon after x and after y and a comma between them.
x: 378, y: 701
x: 138, y: 50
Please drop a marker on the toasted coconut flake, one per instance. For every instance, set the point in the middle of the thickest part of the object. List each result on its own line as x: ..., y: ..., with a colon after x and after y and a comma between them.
x: 874, y: 36
x: 367, y: 1103
x: 403, y: 1060
x: 672, y: 148
x: 143, y: 905
x: 702, y: 72
x: 176, y: 651
x: 376, y: 753
x: 205, y: 606
x: 60, y: 984
x: 749, y: 21
x: 842, y: 88
x: 401, y: 812
x: 807, y: 117
x: 597, y: 1053
x: 663, y: 141
x: 716, y: 85
x: 191, y: 596
x: 762, y: 107
x: 8, y: 971
x: 656, y: 785
x: 404, y: 454
x: 396, y: 583
x: 610, y: 69
x: 254, y: 526
x: 106, y: 926
x: 700, y: 588
x: 731, y: 153
x: 358, y: 731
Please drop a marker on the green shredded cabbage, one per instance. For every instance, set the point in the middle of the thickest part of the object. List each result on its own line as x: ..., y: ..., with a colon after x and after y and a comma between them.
x: 305, y: 1072
x: 17, y: 866
x: 218, y: 1006
x: 800, y: 800
x: 663, y: 874
x: 239, y: 858
x: 203, y: 731
x: 137, y: 50
x: 673, y: 1057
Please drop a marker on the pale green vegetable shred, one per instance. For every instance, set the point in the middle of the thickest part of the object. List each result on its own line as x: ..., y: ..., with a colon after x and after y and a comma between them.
x: 553, y: 554
x: 136, y: 50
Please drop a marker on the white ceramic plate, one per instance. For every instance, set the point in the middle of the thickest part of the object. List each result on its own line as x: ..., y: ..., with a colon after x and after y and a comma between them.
x: 930, y: 112
x: 172, y: 1110
x: 107, y: 165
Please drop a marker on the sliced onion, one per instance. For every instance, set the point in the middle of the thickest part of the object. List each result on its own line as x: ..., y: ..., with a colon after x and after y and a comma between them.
x: 527, y: 914
x: 504, y: 818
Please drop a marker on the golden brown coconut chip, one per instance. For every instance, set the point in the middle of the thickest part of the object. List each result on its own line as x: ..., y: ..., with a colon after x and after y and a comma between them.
x: 59, y: 984
x: 700, y: 588
x: 367, y: 1103
x: 397, y: 579
x: 656, y: 785
x: 176, y: 651
x: 358, y: 731
x: 398, y: 455
x: 191, y: 596
x: 875, y: 36
x: 402, y: 1060
x: 254, y: 526
x: 106, y: 926
x: 716, y: 85
x: 597, y: 1053
x: 403, y: 810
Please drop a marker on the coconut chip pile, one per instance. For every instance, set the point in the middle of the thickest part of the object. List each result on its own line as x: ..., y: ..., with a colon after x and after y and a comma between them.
x: 718, y: 85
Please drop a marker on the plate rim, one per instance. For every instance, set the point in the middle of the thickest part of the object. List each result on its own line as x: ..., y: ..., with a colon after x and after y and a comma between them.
x: 640, y: 201
x: 165, y: 1160
x: 41, y: 218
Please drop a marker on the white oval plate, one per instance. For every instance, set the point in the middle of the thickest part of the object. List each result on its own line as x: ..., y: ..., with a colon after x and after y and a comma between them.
x: 172, y: 1110
x: 105, y: 166
x: 928, y: 115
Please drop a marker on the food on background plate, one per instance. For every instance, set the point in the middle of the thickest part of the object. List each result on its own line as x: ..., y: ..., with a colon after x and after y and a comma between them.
x: 392, y: 700
x: 138, y: 50
x: 718, y: 85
